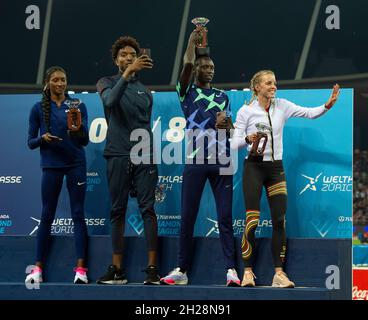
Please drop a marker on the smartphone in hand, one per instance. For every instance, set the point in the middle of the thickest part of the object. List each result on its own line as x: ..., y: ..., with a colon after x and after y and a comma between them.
x: 145, y: 51
x: 55, y: 138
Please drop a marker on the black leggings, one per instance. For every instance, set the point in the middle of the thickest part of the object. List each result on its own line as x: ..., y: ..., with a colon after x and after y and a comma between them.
x: 124, y: 177
x: 271, y: 175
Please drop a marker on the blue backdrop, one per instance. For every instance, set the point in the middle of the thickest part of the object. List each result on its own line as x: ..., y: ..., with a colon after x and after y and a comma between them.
x: 317, y: 159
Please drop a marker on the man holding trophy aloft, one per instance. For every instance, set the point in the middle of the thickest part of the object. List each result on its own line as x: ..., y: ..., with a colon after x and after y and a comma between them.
x: 259, y: 126
x: 207, y: 111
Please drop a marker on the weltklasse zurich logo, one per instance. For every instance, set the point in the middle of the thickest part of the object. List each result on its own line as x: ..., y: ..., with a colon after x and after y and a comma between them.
x: 327, y: 183
x: 311, y: 184
x: 64, y: 225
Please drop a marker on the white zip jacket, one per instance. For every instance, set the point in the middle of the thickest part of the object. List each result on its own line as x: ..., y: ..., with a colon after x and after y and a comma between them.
x: 281, y: 110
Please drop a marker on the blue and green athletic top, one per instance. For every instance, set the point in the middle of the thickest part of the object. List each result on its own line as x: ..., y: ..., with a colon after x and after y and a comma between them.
x: 200, y: 107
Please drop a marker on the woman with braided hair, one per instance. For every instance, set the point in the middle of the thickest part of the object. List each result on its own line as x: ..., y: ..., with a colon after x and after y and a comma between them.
x: 62, y: 154
x: 265, y: 169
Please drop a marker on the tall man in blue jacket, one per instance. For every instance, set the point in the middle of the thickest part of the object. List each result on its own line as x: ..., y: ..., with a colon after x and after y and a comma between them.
x: 128, y: 106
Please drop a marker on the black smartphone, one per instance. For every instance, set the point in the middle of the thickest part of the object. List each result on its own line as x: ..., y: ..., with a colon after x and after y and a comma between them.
x: 55, y: 138
x: 146, y: 51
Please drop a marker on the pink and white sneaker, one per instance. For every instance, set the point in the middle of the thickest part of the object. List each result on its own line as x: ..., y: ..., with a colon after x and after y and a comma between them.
x: 175, y: 277
x: 80, y: 275
x: 35, y: 276
x: 232, y: 279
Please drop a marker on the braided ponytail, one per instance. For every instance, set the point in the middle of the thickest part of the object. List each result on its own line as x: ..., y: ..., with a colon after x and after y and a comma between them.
x: 45, y: 104
x: 46, y: 96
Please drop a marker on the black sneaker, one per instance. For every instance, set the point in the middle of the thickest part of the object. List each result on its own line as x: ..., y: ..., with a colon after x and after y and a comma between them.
x: 113, y: 276
x: 152, y: 275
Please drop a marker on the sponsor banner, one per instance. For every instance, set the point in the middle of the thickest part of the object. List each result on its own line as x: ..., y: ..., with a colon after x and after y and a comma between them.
x: 360, y: 283
x: 317, y: 162
x: 6, y: 223
x: 65, y: 226
x: 93, y: 180
x: 168, y: 225
x: 10, y: 179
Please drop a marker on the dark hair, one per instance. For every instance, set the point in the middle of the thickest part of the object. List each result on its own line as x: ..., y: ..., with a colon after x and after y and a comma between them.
x: 46, y: 95
x: 198, y: 58
x: 123, y: 42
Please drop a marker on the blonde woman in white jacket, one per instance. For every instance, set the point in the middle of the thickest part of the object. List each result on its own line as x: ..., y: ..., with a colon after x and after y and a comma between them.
x: 265, y: 169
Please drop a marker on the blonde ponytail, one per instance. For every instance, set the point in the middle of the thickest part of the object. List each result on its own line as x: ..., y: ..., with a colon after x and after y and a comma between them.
x: 254, y: 81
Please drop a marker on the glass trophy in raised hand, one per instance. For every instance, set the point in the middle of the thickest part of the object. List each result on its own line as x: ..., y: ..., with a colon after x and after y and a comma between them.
x: 259, y: 145
x: 202, y: 48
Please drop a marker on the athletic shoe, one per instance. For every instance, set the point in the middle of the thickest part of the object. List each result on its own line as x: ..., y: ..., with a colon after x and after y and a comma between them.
x: 280, y: 280
x: 232, y: 279
x: 152, y: 275
x: 175, y: 277
x: 80, y: 275
x: 248, y: 279
x: 113, y: 276
x: 35, y: 276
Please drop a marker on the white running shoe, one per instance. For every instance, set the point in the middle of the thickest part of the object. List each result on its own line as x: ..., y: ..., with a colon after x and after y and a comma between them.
x: 281, y: 280
x: 35, y: 276
x: 80, y: 275
x: 248, y: 279
x: 232, y: 279
x: 175, y: 277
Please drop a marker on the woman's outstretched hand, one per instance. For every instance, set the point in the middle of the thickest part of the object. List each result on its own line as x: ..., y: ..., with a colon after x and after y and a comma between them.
x: 333, y: 98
